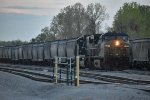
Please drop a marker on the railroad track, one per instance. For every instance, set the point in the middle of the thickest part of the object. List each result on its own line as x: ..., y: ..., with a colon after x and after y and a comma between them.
x: 38, y: 76
x: 49, y: 78
x: 116, y: 79
x: 28, y: 74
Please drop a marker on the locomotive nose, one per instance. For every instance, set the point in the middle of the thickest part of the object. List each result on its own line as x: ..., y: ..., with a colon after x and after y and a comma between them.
x: 117, y: 48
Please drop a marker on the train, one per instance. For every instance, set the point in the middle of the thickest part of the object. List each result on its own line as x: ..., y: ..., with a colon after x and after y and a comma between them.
x: 110, y: 50
x: 95, y: 51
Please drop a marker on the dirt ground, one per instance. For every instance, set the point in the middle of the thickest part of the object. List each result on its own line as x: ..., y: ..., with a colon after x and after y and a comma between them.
x: 14, y: 87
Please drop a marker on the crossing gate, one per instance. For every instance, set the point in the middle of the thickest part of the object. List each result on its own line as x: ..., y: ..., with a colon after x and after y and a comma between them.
x: 69, y: 67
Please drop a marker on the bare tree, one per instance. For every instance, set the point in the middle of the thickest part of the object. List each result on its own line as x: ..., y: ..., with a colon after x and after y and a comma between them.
x: 96, y: 15
x: 76, y: 20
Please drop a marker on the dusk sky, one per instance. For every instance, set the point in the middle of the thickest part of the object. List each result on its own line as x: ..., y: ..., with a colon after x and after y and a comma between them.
x: 24, y: 19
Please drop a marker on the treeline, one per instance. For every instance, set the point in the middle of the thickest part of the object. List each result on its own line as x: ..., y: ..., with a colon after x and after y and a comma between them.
x: 12, y: 43
x: 77, y: 20
x: 73, y: 21
x: 133, y: 19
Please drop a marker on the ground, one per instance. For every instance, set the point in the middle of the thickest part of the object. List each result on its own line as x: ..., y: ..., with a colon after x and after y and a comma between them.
x: 14, y: 87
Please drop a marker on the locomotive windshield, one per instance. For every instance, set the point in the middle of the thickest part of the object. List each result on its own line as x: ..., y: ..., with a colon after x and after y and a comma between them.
x: 125, y: 38
x: 108, y: 38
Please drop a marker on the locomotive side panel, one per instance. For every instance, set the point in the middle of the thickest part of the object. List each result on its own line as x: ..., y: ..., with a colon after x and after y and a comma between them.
x: 92, y: 45
x: 102, y: 49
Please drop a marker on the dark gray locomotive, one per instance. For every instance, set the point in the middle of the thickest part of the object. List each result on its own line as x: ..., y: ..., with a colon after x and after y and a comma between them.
x: 98, y: 51
x: 110, y: 51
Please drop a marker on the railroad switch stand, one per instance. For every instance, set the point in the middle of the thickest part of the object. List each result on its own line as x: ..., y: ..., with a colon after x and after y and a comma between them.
x: 72, y: 71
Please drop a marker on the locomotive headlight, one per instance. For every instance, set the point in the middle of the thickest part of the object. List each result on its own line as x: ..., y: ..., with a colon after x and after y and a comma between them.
x: 107, y: 45
x: 117, y: 43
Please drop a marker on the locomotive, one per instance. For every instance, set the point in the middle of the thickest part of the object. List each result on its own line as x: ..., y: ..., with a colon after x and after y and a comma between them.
x: 103, y: 51
x: 112, y: 51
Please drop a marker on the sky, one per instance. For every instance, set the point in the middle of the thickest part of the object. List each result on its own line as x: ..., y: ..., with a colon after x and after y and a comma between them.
x: 24, y: 19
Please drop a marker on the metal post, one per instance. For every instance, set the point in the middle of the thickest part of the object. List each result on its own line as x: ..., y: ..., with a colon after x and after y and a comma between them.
x: 77, y: 70
x: 70, y: 65
x: 55, y: 70
x: 53, y: 67
x: 60, y: 74
x: 67, y: 72
x: 74, y: 72
x: 70, y: 68
x: 71, y: 76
